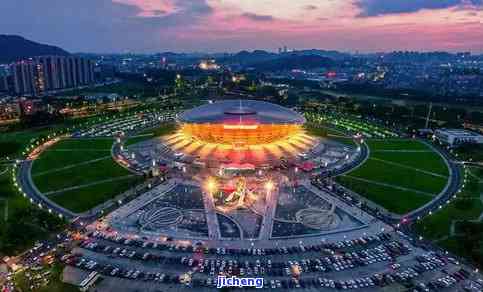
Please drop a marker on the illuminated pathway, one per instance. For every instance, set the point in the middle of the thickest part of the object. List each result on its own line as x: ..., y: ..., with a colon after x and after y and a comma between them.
x: 271, y: 204
x: 211, y: 218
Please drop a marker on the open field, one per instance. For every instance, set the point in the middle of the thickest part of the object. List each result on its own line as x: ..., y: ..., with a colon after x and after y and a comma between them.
x: 84, y: 174
x: 86, y: 166
x: 470, y: 152
x: 12, y: 143
x: 395, y: 200
x: 427, y: 161
x: 71, y: 151
x: 458, y: 226
x: 26, y: 224
x: 468, y: 206
x: 395, y: 144
x: 330, y: 133
x: 83, y: 199
x: 383, y: 172
x: 400, y: 175
x: 162, y: 130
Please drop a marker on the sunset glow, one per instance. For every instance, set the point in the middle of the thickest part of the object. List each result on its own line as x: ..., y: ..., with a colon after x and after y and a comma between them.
x: 229, y: 25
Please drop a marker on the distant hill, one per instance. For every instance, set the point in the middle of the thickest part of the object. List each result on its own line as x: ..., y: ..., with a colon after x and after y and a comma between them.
x: 335, y: 55
x: 13, y: 48
x: 247, y: 58
x: 294, y: 62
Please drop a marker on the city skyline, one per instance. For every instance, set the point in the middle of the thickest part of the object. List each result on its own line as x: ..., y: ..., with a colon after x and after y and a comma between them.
x: 116, y: 26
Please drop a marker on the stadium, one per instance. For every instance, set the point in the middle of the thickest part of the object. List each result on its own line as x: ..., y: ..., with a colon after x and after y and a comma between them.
x: 241, y: 123
x: 240, y: 133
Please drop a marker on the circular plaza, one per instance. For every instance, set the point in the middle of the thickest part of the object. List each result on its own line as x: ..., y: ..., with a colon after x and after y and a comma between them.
x: 239, y: 171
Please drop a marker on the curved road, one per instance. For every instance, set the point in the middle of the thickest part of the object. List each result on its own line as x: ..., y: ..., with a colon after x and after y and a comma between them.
x: 454, y: 184
x: 24, y: 179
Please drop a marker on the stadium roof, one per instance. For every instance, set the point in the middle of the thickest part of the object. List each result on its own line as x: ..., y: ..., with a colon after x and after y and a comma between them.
x: 243, y: 112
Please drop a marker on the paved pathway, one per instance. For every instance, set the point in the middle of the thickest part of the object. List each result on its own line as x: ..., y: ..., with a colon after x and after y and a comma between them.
x: 88, y: 185
x: 271, y: 206
x: 211, y: 218
x: 390, y: 186
x: 71, y: 166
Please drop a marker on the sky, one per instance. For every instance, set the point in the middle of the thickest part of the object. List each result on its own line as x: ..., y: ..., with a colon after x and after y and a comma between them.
x: 145, y: 26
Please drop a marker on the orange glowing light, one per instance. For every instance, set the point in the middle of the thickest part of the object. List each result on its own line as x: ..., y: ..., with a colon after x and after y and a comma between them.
x: 240, y: 127
x: 211, y: 185
x: 269, y: 186
x: 242, y: 134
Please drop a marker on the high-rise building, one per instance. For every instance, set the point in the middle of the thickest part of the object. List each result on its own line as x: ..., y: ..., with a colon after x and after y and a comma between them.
x: 4, y: 78
x: 23, y: 77
x: 49, y: 73
x: 4, y: 83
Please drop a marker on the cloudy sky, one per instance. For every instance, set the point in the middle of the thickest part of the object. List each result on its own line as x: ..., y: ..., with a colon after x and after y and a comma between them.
x: 232, y: 25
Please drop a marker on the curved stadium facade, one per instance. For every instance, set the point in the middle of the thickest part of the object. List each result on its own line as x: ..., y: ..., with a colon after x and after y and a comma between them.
x: 240, y: 123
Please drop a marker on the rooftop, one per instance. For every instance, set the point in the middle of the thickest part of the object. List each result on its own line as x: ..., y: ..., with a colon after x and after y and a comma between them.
x: 242, y: 111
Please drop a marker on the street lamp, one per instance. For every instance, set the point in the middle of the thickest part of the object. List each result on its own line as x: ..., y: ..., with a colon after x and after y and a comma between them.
x: 269, y: 186
x: 211, y: 185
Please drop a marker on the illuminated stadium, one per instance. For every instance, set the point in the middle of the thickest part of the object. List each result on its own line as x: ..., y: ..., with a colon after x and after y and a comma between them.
x: 241, y: 123
x: 244, y: 133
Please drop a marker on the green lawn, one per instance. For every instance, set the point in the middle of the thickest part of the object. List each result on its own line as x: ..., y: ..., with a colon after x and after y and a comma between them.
x: 395, y: 200
x: 71, y: 151
x: 3, y: 203
x: 378, y: 171
x: 395, y: 144
x: 84, y: 174
x: 428, y: 161
x: 26, y: 224
x: 331, y: 134
x: 387, y: 179
x: 12, y: 143
x: 473, y: 152
x: 467, y: 207
x: 85, y: 143
x: 162, y: 130
x: 83, y: 199
x: 74, y: 151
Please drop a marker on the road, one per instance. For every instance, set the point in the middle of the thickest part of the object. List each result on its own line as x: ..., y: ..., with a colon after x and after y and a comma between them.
x: 454, y: 184
x: 24, y: 179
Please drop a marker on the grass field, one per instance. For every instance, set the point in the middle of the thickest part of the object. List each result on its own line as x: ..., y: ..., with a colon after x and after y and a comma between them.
x: 12, y: 143
x: 83, y: 199
x: 427, y: 161
x: 398, y: 201
x: 398, y: 180
x: 468, y: 206
x: 331, y: 134
x: 461, y: 212
x: 162, y: 130
x: 383, y: 172
x: 80, y: 163
x: 71, y: 151
x: 26, y: 224
x: 395, y: 144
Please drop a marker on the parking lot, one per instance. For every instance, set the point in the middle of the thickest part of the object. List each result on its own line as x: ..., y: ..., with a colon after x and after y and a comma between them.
x: 366, y: 263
